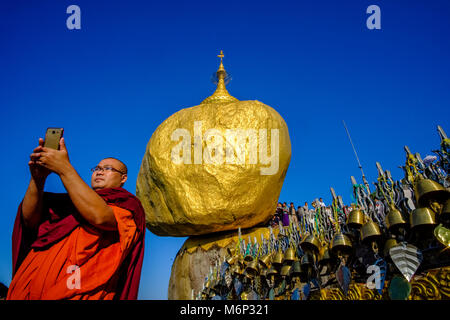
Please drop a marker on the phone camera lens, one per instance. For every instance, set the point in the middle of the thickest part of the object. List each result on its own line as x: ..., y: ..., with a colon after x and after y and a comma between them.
x: 53, y: 131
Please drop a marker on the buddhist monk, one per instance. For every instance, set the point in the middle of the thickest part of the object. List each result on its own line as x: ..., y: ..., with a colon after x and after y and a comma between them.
x: 87, y: 243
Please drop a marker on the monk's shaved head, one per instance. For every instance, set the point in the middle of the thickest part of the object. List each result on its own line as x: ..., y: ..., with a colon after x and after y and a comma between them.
x: 123, y: 168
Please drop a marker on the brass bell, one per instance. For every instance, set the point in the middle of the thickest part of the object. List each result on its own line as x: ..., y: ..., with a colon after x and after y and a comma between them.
x: 285, y: 270
x: 231, y: 251
x: 388, y: 245
x: 306, y: 264
x: 355, y: 219
x: 272, y: 271
x: 252, y: 268
x: 241, y: 261
x: 427, y: 189
x: 236, y: 269
x: 231, y: 260
x: 278, y: 259
x: 289, y: 255
x: 305, y: 260
x: 253, y: 265
x: 422, y: 217
x: 325, y: 257
x: 311, y: 243
x: 265, y: 260
x: 296, y: 269
x: 248, y: 258
x: 263, y: 273
x: 370, y: 231
x: 341, y: 243
x: 394, y: 219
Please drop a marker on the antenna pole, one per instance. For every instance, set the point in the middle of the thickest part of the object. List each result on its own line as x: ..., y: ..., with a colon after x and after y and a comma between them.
x: 357, y: 159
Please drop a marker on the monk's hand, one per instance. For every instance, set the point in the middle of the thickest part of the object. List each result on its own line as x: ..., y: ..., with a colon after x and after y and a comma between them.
x: 38, y: 172
x: 56, y: 161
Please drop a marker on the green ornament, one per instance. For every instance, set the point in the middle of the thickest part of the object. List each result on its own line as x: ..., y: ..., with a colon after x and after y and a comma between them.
x: 399, y: 288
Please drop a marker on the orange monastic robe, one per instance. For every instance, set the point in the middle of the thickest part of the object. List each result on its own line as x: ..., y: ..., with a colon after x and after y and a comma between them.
x: 51, y: 274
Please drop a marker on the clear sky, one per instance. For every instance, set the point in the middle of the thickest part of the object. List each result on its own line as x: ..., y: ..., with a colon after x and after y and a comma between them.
x: 134, y: 63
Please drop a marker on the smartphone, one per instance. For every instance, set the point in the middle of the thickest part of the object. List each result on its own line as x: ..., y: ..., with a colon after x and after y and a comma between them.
x: 52, y: 137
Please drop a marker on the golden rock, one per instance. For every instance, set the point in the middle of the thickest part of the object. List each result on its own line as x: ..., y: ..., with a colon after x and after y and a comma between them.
x: 214, y: 167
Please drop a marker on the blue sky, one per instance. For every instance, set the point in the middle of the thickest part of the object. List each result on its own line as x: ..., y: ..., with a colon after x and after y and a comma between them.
x: 135, y: 63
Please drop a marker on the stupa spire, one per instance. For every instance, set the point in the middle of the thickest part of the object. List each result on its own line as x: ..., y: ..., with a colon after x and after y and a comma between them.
x: 221, y: 95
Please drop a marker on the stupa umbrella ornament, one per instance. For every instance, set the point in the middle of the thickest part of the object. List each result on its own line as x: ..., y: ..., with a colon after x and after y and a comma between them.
x: 226, y: 76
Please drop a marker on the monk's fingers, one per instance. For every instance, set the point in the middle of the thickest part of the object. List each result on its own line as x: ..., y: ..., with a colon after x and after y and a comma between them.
x: 35, y: 156
x: 38, y: 149
x: 41, y: 163
x: 41, y: 142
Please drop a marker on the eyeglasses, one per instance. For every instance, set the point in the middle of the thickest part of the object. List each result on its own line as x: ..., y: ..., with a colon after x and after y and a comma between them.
x: 110, y: 169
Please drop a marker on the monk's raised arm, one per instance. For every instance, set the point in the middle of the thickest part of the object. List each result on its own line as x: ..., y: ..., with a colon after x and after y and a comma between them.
x: 88, y: 203
x: 32, y: 202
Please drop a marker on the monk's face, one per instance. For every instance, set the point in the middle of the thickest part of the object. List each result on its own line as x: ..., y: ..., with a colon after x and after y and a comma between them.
x: 112, y: 175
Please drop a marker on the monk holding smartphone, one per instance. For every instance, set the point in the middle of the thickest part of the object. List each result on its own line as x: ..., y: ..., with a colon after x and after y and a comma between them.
x: 87, y: 243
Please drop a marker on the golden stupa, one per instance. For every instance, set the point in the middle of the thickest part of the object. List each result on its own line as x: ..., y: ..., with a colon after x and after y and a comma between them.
x: 214, y: 167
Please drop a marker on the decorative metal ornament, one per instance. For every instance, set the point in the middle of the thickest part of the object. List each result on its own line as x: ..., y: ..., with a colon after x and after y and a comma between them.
x: 407, y: 258
x: 228, y: 279
x: 343, y: 277
x: 306, y: 290
x: 272, y: 294
x: 399, y: 288
x: 252, y: 295
x: 295, y: 294
x: 237, y: 286
x: 443, y: 235
x: 224, y: 268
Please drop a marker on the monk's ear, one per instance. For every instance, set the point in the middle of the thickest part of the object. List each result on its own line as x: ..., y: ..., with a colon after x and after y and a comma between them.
x: 124, y: 179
